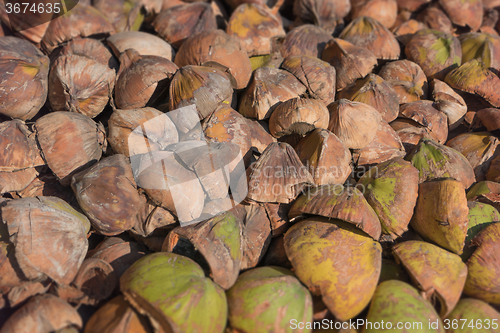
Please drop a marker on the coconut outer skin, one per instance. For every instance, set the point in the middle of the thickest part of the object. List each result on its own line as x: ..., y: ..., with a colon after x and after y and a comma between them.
x: 435, y: 161
x: 336, y: 261
x: 441, y: 213
x: 391, y: 188
x: 439, y: 273
x: 436, y: 52
x: 470, y: 309
x: 483, y: 281
x: 395, y: 301
x: 173, y: 291
x: 251, y: 292
x: 24, y: 72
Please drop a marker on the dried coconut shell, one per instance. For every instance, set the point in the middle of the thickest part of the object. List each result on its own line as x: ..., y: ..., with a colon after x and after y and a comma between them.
x: 80, y: 84
x: 81, y: 21
x: 438, y: 273
x: 268, y: 87
x: 255, y: 26
x: 44, y: 313
x: 24, y: 72
x: 108, y: 195
x: 138, y: 131
x: 144, y: 43
x: 203, y: 86
x: 91, y: 48
x: 354, y: 123
x: 325, y: 156
x: 449, y: 102
x: 350, y: 61
x: 70, y: 142
x: 317, y: 75
x: 216, y: 46
x: 55, y: 229
x: 464, y: 13
x: 426, y: 114
x: 369, y: 33
x: 278, y: 175
x: 338, y: 202
x: 385, y: 146
x: 407, y: 79
x: 436, y: 52
x: 176, y: 24
x: 374, y: 91
x: 475, y: 78
x: 298, y: 116
x: 142, y: 80
x: 307, y: 39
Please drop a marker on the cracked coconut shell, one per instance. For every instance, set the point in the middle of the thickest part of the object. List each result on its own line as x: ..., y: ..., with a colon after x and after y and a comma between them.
x: 436, y: 52
x: 80, y: 84
x: 108, y: 195
x: 142, y: 80
x: 274, y: 288
x: 426, y: 114
x: 298, y: 116
x: 478, y: 147
x: 385, y: 146
x: 254, y: 26
x: 139, y: 131
x: 481, y: 46
x: 205, y: 87
x: 124, y: 15
x: 70, y: 142
x: 174, y: 293
x: 268, y: 87
x: 407, y: 79
x: 219, y: 240
x: 464, y: 12
x: 324, y: 13
x: 434, y: 160
x: 54, y: 229
x: 391, y: 189
x: 19, y: 158
x: 144, y: 43
x: 338, y: 202
x: 278, y: 175
x: 371, y: 34
x: 81, y: 21
x: 24, y: 78
x: 44, y: 313
x: 159, y: 173
x: 335, y: 261
x: 176, y: 24
x: 384, y: 11
x: 396, y: 301
x: 375, y: 91
x: 307, y: 39
x: 216, y: 46
x: 351, y: 62
x: 483, y: 280
x: 441, y: 213
x: 325, y: 156
x: 449, y: 102
x: 354, y: 123
x: 439, y: 274
x: 475, y: 78
x: 317, y: 75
